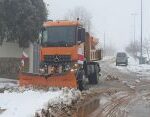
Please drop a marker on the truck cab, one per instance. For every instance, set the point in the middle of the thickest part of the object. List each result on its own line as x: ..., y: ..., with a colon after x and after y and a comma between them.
x: 65, y: 48
x: 62, y: 45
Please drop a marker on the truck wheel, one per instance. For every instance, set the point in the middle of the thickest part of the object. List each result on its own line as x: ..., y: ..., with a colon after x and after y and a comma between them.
x: 96, y: 78
x: 82, y: 84
x: 90, y: 80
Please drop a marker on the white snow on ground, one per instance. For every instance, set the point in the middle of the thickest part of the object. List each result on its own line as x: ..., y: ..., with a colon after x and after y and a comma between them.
x: 5, y: 80
x: 7, y: 83
x: 141, y: 70
x: 133, y: 66
x: 25, y: 104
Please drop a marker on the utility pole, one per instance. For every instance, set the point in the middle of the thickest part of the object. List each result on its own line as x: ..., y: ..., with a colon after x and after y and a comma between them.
x: 104, y: 44
x: 134, y: 27
x: 141, y: 57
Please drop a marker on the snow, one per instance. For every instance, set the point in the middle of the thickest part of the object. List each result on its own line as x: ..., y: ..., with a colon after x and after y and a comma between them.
x: 142, y: 70
x: 26, y: 103
x: 104, y: 100
x: 7, y: 85
x: 7, y: 80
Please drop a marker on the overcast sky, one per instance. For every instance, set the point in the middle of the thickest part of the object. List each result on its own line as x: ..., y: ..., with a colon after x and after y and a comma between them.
x: 110, y: 16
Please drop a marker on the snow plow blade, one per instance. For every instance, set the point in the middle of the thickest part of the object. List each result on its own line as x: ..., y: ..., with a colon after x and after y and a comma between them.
x: 65, y: 80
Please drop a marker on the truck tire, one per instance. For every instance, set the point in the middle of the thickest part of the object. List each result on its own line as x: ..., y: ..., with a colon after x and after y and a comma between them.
x: 96, y: 78
x: 82, y: 85
x: 93, y: 78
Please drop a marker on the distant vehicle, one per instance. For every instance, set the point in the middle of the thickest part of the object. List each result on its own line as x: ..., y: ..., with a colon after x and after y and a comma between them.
x: 121, y: 59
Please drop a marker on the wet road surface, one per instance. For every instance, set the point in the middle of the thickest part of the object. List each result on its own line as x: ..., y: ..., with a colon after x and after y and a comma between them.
x: 130, y: 96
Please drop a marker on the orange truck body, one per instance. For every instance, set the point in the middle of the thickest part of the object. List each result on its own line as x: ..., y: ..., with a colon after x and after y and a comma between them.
x: 72, y: 51
x: 67, y: 79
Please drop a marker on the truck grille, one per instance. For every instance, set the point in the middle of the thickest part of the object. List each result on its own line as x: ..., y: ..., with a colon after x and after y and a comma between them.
x: 57, y: 58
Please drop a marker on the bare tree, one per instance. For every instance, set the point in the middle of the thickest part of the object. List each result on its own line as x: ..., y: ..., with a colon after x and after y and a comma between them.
x: 133, y: 49
x: 83, y: 15
x: 146, y: 47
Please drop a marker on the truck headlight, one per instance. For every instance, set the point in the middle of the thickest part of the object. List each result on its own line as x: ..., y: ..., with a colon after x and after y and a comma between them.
x: 72, y: 70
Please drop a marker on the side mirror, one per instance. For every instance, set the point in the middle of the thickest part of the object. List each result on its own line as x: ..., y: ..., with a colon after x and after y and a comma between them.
x: 81, y: 35
x: 40, y: 38
x: 43, y: 35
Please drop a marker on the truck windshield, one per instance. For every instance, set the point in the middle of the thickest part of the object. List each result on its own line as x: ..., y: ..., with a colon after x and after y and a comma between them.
x: 59, y: 36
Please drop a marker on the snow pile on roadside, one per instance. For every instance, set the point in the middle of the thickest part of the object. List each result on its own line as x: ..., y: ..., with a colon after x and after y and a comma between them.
x: 62, y: 104
x: 7, y: 85
x: 25, y: 104
x: 67, y: 97
x: 132, y: 61
x: 133, y: 66
x: 7, y: 80
x: 140, y: 69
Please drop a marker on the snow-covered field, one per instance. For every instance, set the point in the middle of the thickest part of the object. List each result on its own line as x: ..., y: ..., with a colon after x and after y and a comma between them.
x: 22, y: 102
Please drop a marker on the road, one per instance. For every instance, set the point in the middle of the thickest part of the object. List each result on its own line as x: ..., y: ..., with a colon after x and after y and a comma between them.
x: 129, y: 95
x: 122, y: 93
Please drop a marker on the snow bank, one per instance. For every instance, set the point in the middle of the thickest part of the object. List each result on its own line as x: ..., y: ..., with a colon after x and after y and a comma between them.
x: 143, y: 70
x: 8, y: 83
x: 133, y: 67
x: 25, y: 104
x: 67, y: 97
x: 7, y: 80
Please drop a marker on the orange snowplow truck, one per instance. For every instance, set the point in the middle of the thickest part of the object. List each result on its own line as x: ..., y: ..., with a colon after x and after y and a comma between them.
x: 64, y: 57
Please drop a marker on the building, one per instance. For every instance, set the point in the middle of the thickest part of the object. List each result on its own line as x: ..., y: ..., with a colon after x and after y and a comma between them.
x: 10, y: 59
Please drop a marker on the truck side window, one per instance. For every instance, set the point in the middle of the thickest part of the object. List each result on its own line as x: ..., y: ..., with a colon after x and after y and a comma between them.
x: 45, y: 36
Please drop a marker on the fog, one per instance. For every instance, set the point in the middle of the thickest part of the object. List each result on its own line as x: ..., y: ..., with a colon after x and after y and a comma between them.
x: 112, y: 17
